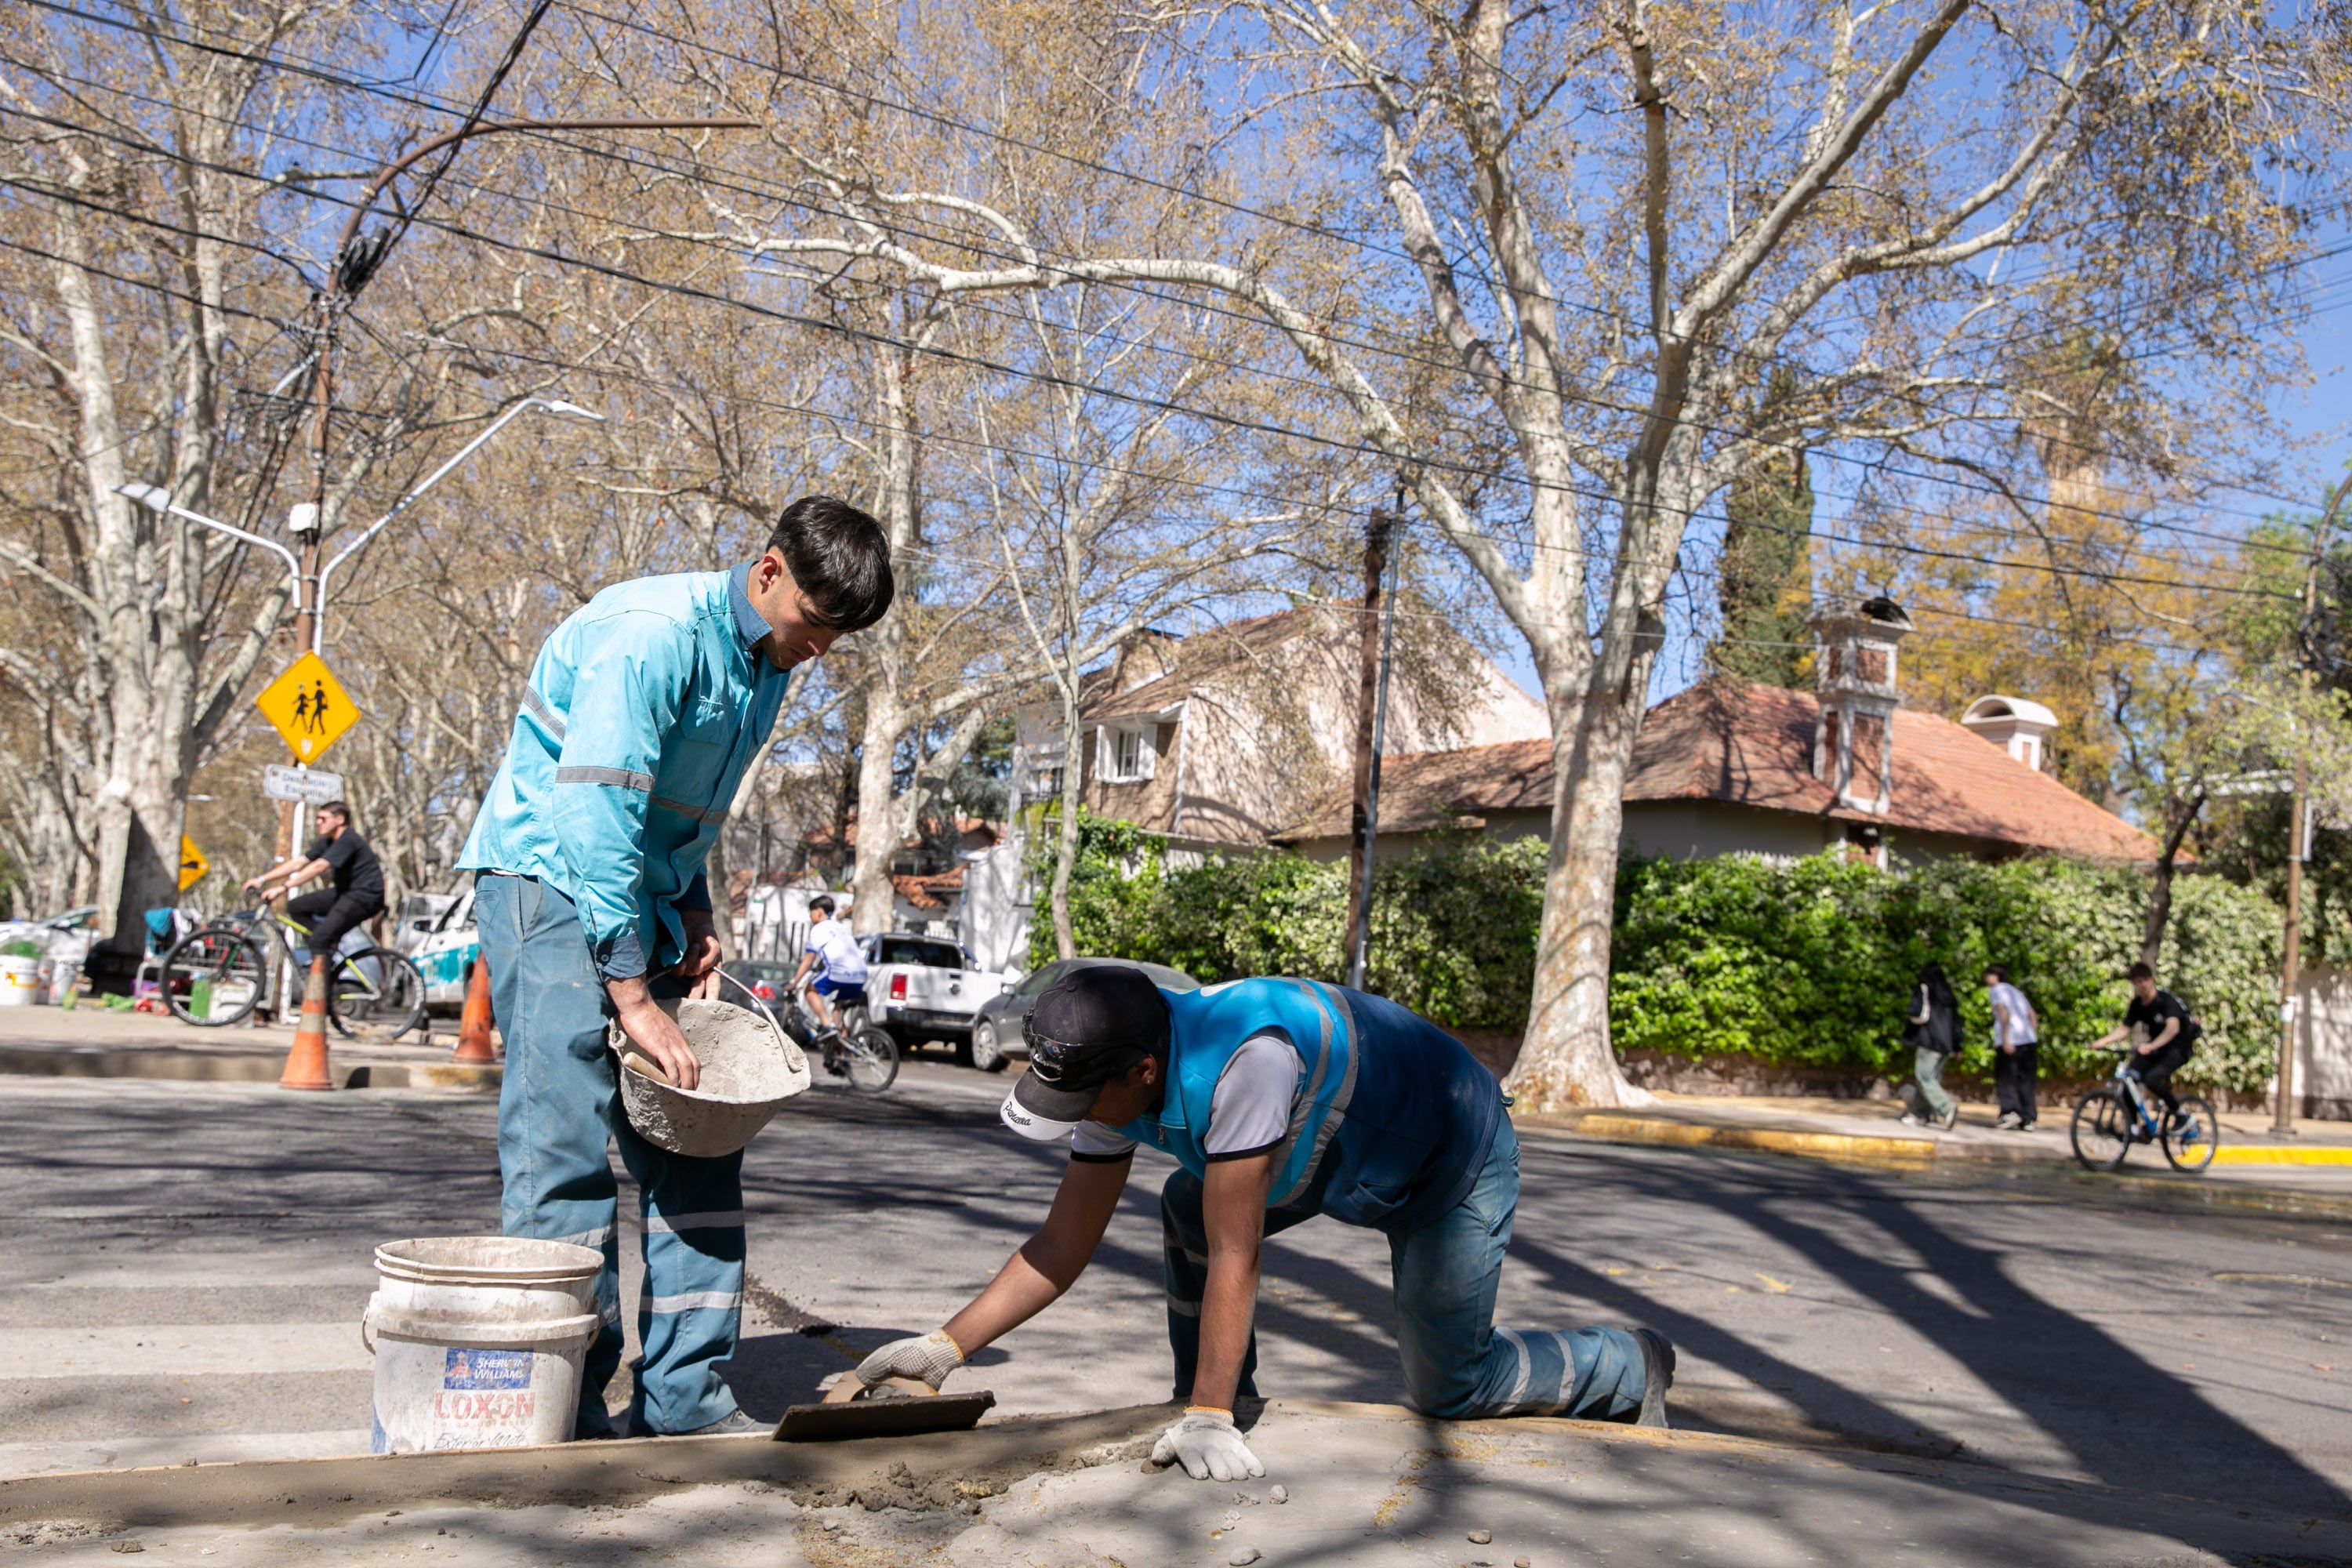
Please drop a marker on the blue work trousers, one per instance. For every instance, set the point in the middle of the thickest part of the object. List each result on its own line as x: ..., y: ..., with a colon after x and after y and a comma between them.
x: 559, y: 1113
x: 1457, y: 1365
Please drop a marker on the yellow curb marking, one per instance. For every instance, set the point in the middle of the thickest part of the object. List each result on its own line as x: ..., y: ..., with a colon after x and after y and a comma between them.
x: 2271, y: 1154
x: 1831, y: 1145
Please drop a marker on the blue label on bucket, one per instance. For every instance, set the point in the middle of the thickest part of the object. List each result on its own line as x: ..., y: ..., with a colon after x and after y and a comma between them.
x: 487, y: 1369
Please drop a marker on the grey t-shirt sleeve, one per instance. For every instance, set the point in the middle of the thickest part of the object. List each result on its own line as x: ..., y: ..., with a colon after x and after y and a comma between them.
x: 1250, y: 1111
x: 1097, y: 1143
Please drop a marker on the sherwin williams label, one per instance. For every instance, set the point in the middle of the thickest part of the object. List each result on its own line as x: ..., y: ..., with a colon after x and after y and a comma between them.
x: 481, y: 1369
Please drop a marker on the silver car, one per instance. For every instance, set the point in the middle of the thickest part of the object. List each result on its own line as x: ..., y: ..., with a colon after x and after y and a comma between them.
x: 996, y: 1032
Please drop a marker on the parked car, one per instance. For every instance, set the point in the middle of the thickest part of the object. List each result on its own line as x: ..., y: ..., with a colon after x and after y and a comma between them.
x: 420, y: 916
x: 925, y: 988
x: 996, y: 1032
x: 445, y: 950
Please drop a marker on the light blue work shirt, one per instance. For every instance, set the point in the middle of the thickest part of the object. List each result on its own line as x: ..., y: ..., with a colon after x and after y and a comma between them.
x: 643, y: 712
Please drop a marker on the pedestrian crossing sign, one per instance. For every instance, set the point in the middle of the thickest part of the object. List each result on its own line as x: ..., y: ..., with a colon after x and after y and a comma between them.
x: 308, y: 708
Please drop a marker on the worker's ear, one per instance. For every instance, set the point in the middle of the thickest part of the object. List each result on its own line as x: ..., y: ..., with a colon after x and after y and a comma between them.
x: 1145, y: 1073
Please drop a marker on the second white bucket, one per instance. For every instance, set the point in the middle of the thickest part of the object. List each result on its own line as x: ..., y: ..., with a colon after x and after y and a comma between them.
x: 479, y: 1341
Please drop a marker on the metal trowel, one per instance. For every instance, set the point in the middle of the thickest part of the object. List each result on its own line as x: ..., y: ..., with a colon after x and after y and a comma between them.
x: 897, y: 1406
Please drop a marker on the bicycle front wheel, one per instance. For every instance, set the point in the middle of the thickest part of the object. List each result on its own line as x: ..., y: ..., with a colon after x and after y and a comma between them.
x: 376, y: 988
x: 873, y: 1060
x: 2190, y: 1141
x: 2102, y: 1130
x: 215, y: 976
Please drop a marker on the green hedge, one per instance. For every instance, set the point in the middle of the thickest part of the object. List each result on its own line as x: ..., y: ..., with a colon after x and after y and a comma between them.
x: 1802, y: 961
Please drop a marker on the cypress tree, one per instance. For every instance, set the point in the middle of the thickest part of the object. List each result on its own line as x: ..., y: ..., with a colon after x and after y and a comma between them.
x: 1764, y: 582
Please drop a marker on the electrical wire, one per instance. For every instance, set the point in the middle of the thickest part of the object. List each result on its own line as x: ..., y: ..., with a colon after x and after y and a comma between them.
x: 1879, y: 465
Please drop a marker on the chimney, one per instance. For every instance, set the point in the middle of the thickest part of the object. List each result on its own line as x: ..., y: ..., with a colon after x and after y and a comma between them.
x: 1853, y: 743
x: 2014, y: 724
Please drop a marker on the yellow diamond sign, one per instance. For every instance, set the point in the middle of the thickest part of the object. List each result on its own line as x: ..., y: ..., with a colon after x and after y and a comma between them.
x: 193, y: 864
x: 308, y: 708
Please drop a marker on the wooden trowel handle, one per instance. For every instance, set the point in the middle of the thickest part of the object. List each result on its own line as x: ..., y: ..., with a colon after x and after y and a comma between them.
x: 638, y: 1057
x: 849, y: 1388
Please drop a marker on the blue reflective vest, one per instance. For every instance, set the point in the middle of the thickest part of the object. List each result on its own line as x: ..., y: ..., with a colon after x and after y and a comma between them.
x: 644, y: 710
x: 1392, y: 1117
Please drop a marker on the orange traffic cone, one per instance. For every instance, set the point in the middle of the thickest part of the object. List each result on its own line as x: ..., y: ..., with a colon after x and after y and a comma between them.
x: 306, y: 1064
x: 474, y: 1028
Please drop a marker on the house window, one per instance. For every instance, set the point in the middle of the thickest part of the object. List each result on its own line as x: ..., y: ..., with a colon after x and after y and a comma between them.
x: 1126, y: 756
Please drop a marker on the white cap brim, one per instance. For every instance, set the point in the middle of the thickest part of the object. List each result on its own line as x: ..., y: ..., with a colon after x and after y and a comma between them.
x: 1031, y: 1125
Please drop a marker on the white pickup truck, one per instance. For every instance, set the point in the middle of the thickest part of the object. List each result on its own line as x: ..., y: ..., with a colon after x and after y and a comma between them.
x: 925, y: 988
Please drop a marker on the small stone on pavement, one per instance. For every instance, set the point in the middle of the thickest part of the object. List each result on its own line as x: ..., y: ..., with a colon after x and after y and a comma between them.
x: 1243, y: 1558
x: 1280, y: 1494
x: 1480, y: 1537
x: 1523, y: 1561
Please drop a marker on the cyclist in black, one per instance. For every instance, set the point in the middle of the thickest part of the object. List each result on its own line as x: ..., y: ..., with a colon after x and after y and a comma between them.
x: 2172, y: 1036
x: 356, y: 889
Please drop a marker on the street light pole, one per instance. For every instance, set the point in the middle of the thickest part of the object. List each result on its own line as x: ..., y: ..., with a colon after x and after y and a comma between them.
x: 554, y: 405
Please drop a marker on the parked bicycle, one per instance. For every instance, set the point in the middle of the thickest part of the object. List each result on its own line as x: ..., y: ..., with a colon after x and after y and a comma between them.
x: 219, y: 973
x: 2120, y: 1112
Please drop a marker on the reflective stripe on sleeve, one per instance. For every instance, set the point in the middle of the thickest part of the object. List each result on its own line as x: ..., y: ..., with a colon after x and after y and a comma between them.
x: 624, y: 778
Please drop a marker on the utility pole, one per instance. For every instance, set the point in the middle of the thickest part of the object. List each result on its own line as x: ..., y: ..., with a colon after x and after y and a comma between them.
x: 2299, y: 833
x: 1371, y: 721
x: 355, y: 262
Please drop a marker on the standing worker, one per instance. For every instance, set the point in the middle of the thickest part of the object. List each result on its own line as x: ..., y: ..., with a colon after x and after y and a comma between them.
x: 643, y: 712
x: 354, y: 891
x: 2016, y: 1050
x: 1282, y: 1099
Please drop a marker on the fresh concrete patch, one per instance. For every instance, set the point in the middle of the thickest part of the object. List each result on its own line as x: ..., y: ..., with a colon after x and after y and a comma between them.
x: 933, y: 1472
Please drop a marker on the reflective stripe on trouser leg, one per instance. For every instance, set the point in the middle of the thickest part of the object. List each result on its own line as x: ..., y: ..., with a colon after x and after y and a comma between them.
x: 1457, y: 1363
x: 691, y: 1316
x: 555, y: 1097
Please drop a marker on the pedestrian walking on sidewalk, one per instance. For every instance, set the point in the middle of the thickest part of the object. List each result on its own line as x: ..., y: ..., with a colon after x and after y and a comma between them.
x: 1933, y: 1032
x: 1281, y: 1100
x: 642, y: 713
x: 2016, y: 1050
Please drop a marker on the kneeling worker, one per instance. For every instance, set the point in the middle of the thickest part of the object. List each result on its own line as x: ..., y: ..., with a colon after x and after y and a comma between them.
x: 1281, y: 1100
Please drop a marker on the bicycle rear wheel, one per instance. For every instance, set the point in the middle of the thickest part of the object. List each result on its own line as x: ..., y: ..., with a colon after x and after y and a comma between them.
x: 873, y: 1060
x: 379, y: 987
x: 2190, y: 1144
x: 2102, y: 1130
x: 215, y: 976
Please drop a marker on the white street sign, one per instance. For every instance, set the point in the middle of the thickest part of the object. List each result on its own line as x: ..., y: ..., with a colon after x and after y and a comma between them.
x: 279, y: 782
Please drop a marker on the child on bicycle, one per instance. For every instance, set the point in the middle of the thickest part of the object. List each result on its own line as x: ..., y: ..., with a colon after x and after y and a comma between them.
x: 2172, y: 1036
x: 831, y: 943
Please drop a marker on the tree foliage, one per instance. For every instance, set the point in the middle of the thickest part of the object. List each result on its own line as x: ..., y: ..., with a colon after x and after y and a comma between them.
x: 1806, y: 962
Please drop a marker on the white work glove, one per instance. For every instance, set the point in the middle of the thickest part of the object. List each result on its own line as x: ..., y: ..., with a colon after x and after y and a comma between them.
x: 1208, y: 1446
x: 930, y: 1357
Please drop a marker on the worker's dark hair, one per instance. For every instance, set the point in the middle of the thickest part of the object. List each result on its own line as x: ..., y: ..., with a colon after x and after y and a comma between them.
x: 1999, y: 971
x: 822, y: 901
x: 339, y: 808
x: 838, y: 559
x: 2142, y: 972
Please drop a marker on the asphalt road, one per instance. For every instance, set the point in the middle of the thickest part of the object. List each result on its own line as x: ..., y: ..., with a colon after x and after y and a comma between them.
x: 183, y: 1268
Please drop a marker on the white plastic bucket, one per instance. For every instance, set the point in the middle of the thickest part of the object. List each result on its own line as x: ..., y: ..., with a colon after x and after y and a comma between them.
x: 479, y: 1341
x: 20, y: 982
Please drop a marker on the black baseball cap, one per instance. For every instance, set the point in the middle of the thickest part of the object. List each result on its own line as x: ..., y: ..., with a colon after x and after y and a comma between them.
x: 1089, y: 1026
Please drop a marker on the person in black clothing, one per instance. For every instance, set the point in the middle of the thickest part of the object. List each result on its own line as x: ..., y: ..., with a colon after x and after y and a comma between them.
x: 355, y: 889
x: 2172, y: 1036
x: 1933, y: 1034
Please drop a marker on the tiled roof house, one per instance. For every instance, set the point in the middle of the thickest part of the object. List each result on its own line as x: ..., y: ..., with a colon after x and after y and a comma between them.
x: 1731, y: 766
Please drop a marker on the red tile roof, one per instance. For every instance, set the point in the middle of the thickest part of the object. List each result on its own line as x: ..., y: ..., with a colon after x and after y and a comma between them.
x: 1747, y: 744
x: 922, y: 891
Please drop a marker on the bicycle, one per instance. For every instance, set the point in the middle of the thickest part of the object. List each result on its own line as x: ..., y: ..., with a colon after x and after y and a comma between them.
x: 2117, y: 1114
x: 865, y: 1055
x: 219, y: 973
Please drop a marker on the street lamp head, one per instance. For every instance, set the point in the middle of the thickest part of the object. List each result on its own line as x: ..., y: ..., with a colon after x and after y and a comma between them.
x: 556, y: 406
x: 154, y: 497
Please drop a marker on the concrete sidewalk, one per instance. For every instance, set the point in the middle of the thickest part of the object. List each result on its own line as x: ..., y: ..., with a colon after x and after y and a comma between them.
x: 1871, y: 1131
x: 1359, y: 1484
x: 92, y: 1041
